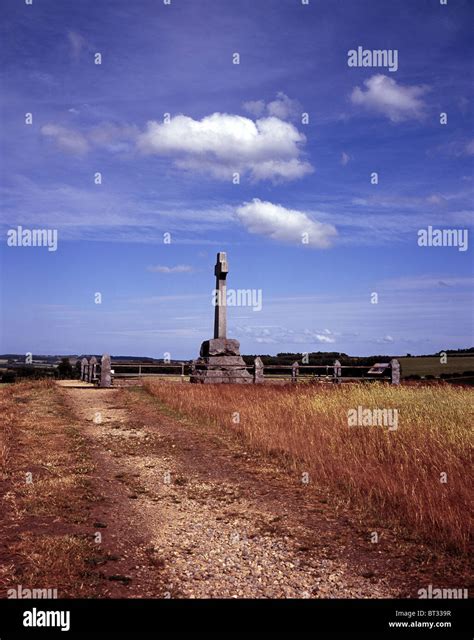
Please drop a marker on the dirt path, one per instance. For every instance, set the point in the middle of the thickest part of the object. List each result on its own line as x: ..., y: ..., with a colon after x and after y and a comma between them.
x: 189, y: 513
x: 108, y: 493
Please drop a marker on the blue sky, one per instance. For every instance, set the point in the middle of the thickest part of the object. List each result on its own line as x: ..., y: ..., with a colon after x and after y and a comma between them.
x: 297, y: 175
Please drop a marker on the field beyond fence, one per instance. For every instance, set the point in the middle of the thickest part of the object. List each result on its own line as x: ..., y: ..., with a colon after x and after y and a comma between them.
x: 414, y: 477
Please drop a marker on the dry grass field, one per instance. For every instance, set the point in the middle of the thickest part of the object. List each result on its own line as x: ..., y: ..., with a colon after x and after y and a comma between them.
x: 430, y: 365
x: 158, y: 489
x: 415, y: 476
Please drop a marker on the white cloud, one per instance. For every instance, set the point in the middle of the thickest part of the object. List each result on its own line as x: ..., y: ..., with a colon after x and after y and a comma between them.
x: 285, y: 225
x: 180, y: 268
x: 345, y: 158
x: 282, y: 107
x: 67, y: 139
x: 256, y: 108
x: 114, y: 138
x: 322, y: 338
x: 326, y: 336
x: 384, y: 95
x: 274, y: 334
x: 284, y: 169
x: 221, y: 144
x: 113, y: 214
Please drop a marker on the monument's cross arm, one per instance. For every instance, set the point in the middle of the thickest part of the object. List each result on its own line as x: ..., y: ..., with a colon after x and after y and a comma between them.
x: 220, y: 319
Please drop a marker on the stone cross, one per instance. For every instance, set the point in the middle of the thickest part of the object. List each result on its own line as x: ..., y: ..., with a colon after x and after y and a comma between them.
x: 220, y: 320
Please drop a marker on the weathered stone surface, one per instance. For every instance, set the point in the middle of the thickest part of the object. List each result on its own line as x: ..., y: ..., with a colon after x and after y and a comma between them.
x: 295, y: 367
x: 220, y: 369
x: 395, y: 367
x: 93, y: 369
x: 220, y: 313
x: 258, y: 370
x: 106, y: 371
x: 229, y: 375
x: 84, y: 365
x: 220, y: 360
x: 87, y: 370
x: 220, y: 347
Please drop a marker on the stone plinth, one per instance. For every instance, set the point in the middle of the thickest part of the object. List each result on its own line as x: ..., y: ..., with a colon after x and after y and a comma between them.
x: 220, y: 347
x: 220, y: 362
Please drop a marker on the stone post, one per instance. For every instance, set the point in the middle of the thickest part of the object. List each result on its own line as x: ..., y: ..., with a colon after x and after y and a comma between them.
x: 105, y: 371
x: 258, y: 370
x: 395, y: 371
x: 83, y: 368
x: 337, y: 371
x: 86, y: 370
x: 92, y: 369
x: 294, y: 371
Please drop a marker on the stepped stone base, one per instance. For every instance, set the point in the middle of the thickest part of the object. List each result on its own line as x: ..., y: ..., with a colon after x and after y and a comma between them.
x: 220, y: 363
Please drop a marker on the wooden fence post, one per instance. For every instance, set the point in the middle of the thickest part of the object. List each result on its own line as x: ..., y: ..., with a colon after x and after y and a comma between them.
x: 337, y: 371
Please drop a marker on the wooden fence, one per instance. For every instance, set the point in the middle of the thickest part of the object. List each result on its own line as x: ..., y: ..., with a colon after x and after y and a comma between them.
x: 101, y: 373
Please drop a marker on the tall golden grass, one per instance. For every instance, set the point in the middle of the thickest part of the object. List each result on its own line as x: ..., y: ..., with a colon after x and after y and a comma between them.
x: 396, y: 475
x: 8, y: 411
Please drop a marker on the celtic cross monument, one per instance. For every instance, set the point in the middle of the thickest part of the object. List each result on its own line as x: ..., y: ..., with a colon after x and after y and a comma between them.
x: 220, y: 360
